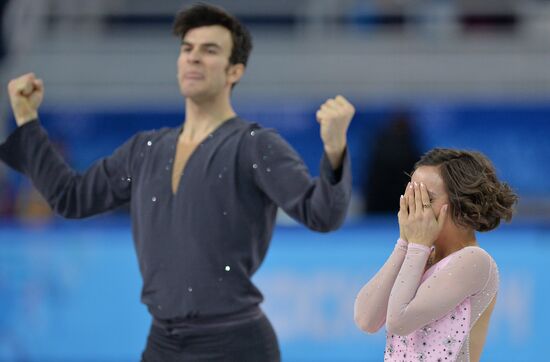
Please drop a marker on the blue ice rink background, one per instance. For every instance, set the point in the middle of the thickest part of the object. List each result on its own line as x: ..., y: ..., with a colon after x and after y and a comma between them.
x: 70, y: 292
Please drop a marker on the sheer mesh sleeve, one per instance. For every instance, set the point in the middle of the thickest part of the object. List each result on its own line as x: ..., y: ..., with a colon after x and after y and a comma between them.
x: 414, y: 303
x: 372, y: 301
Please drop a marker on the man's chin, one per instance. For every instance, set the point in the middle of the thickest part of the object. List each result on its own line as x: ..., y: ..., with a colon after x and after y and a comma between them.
x: 195, y: 96
x: 191, y: 92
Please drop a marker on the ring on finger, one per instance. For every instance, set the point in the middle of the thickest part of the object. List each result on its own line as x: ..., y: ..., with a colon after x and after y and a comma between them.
x: 426, y: 206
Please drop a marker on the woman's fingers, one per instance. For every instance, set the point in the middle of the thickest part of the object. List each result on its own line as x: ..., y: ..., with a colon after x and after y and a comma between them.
x: 403, y: 206
x: 425, y: 197
x: 421, y: 225
x: 417, y: 198
x: 410, y: 200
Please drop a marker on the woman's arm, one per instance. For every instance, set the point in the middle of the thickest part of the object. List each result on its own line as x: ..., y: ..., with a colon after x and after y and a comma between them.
x: 413, y: 305
x: 371, y: 303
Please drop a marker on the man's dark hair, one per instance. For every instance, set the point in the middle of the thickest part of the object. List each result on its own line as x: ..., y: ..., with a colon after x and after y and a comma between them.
x: 206, y: 15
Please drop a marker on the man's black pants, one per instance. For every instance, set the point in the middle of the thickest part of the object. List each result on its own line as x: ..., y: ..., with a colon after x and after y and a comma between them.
x: 250, y: 341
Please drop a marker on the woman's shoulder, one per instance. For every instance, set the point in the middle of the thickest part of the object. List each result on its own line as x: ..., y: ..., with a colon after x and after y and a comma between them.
x: 476, y: 255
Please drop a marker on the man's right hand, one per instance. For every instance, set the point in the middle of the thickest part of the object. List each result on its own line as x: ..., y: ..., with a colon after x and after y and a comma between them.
x: 26, y: 93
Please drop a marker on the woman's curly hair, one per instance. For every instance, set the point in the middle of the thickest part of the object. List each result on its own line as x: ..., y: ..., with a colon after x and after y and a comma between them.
x: 477, y: 198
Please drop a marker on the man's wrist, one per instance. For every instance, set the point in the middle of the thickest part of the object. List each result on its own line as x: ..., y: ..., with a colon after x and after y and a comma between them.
x: 335, y: 149
x: 24, y: 119
x: 335, y: 155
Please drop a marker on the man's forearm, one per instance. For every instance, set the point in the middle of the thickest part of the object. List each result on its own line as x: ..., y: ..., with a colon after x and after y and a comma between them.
x: 335, y: 156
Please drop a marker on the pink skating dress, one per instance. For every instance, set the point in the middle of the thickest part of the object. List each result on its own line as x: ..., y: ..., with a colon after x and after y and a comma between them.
x: 428, y: 314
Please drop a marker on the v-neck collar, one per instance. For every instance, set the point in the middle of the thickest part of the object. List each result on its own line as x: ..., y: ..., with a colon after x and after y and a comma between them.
x: 211, y: 135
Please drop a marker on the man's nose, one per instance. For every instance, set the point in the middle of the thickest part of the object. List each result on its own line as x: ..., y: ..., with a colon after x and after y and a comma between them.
x: 194, y: 56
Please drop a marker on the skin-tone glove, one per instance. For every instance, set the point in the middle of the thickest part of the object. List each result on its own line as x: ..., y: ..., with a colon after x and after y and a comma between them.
x: 26, y: 93
x: 334, y: 116
x: 417, y: 221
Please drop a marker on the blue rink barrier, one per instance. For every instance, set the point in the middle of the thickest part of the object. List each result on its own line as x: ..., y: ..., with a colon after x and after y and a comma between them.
x: 513, y: 135
x: 71, y: 293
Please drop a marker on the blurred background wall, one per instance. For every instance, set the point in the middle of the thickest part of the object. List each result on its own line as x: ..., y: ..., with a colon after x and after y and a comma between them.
x: 467, y: 74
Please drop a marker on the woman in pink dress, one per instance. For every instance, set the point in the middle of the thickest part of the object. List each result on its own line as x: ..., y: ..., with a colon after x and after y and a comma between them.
x: 437, y: 290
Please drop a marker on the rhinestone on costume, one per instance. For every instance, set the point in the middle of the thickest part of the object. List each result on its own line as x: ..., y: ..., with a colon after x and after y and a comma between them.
x: 227, y: 268
x: 149, y: 143
x: 255, y: 166
x: 449, y: 341
x: 154, y: 199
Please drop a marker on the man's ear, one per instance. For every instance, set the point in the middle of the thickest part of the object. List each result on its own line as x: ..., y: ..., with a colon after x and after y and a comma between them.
x: 235, y: 73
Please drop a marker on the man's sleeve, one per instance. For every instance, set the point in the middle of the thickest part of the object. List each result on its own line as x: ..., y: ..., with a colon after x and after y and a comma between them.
x: 319, y: 203
x: 104, y: 186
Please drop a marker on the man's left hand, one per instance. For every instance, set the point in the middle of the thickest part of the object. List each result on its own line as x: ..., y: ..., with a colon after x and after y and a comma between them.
x: 334, y: 116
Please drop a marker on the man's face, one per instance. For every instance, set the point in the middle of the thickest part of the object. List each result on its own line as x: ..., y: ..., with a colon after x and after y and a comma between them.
x: 203, y: 63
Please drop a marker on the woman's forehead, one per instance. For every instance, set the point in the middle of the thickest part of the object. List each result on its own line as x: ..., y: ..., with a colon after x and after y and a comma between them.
x: 430, y: 176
